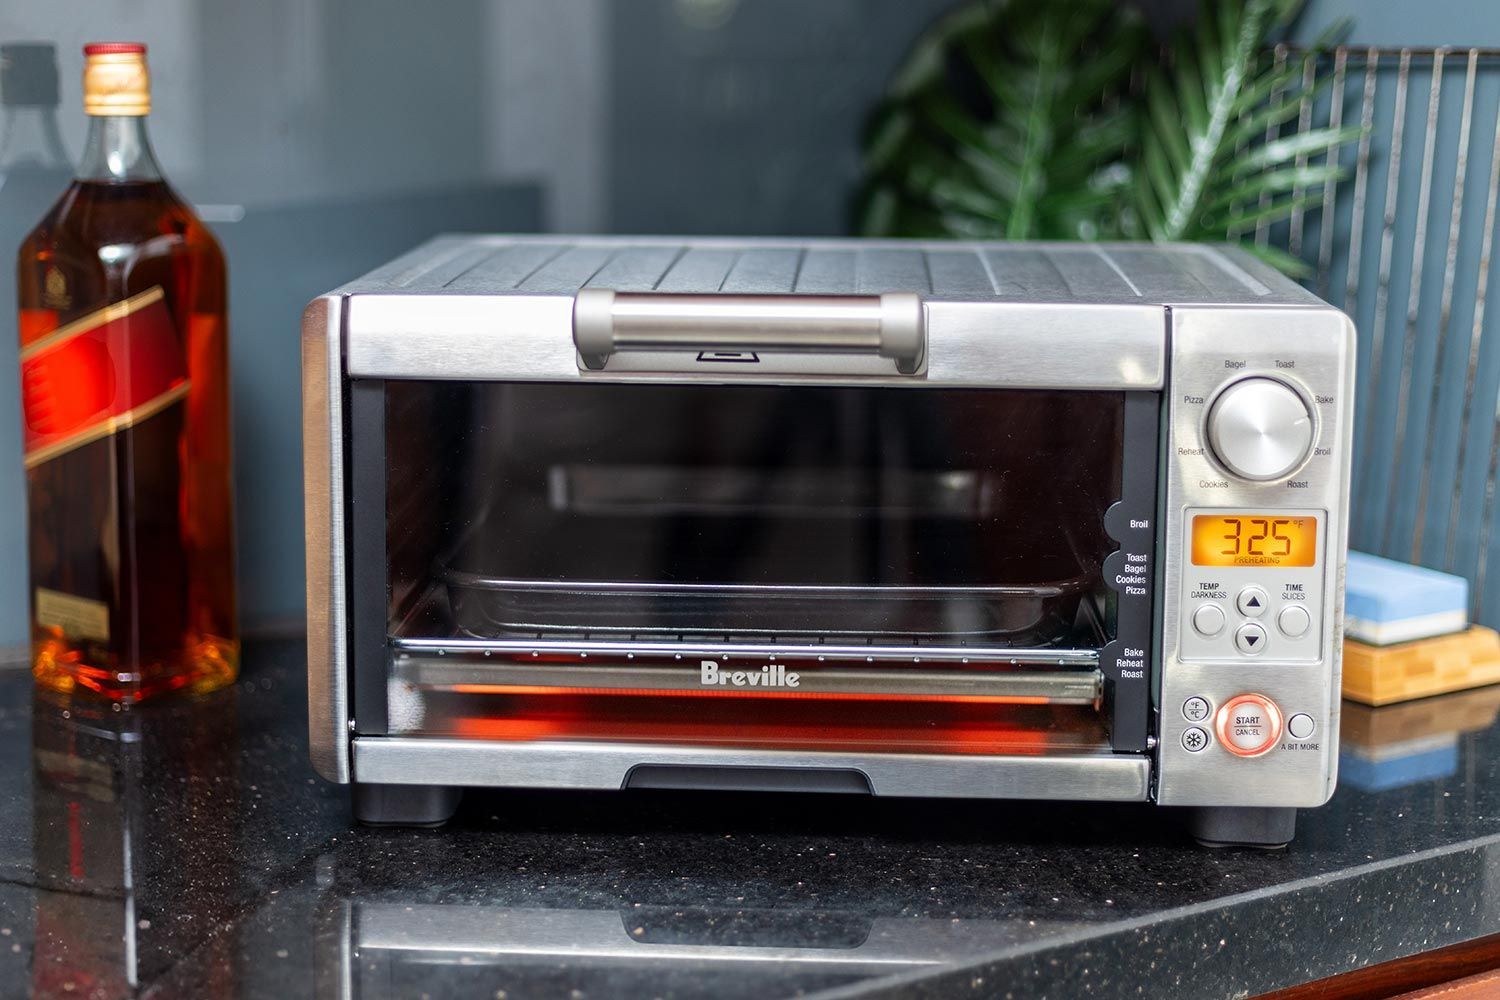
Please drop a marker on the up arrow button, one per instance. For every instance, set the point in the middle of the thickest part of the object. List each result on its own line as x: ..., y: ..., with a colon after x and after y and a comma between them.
x: 1251, y: 602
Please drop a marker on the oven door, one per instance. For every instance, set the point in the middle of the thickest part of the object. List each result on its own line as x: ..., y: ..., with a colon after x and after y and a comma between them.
x: 776, y: 577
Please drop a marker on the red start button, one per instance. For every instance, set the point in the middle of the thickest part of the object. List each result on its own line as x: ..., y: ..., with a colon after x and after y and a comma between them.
x: 1249, y: 725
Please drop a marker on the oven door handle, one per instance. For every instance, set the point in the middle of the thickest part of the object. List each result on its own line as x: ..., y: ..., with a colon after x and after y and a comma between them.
x: 892, y: 326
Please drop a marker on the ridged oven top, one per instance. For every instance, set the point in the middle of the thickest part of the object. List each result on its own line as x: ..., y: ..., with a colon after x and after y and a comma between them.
x: 1120, y: 273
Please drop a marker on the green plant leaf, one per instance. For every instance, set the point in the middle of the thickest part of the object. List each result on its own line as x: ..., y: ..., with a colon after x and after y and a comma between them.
x: 1060, y: 119
x: 1279, y: 259
x: 1273, y: 182
x: 1026, y: 102
x: 1279, y: 151
x: 1207, y: 124
x: 1262, y: 116
x: 1272, y: 212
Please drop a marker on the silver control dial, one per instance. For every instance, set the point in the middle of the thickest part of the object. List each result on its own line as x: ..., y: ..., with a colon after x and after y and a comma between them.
x: 1260, y: 429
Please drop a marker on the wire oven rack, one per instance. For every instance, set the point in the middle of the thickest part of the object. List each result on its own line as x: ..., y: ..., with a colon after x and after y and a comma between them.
x: 1404, y: 245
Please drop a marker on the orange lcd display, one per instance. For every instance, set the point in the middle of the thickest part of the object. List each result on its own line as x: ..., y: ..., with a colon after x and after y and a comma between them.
x: 1254, y: 540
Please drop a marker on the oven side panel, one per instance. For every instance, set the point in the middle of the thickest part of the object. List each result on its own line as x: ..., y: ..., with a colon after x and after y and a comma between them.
x: 1243, y: 646
x: 323, y: 499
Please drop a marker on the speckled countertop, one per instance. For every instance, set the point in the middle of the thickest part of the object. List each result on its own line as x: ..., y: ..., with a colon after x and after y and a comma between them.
x: 188, y: 850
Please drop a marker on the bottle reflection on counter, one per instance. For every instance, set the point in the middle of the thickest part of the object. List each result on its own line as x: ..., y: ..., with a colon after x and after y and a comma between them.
x: 134, y: 824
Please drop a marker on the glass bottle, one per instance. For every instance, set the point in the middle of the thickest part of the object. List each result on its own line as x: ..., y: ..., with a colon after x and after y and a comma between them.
x: 125, y: 396
x: 29, y: 136
x: 34, y: 170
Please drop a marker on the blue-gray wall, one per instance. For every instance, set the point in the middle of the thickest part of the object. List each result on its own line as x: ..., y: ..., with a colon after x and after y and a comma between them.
x: 323, y: 137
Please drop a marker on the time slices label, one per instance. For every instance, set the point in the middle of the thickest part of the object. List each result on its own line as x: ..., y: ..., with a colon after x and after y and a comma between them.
x: 100, y: 374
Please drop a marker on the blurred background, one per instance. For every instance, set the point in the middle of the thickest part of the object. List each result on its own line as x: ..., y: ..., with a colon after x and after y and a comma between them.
x: 320, y: 139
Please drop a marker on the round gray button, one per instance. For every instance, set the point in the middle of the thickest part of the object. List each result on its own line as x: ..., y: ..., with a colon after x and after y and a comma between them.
x: 1208, y: 620
x: 1301, y: 725
x: 1260, y: 429
x: 1250, y: 638
x: 1195, y: 709
x: 1293, y: 621
x: 1194, y: 739
x: 1251, y: 602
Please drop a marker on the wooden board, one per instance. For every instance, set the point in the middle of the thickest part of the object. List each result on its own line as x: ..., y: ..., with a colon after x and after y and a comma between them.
x: 1441, y: 967
x: 1380, y: 675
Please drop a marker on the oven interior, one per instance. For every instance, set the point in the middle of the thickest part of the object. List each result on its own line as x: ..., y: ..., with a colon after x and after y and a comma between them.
x: 567, y: 560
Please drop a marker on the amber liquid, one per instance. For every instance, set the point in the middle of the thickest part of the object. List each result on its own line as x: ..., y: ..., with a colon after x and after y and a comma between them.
x: 140, y: 520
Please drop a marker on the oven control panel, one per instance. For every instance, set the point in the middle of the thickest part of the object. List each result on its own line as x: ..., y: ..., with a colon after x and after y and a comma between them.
x: 1257, y: 490
x: 1252, y: 586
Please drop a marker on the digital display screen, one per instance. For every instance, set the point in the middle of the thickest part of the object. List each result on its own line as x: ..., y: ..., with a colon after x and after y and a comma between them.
x: 1254, y: 540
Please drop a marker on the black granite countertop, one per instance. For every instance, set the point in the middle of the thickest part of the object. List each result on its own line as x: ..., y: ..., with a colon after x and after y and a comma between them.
x: 187, y: 850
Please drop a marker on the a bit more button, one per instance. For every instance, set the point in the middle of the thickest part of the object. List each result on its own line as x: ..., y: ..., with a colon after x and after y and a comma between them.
x: 1250, y: 638
x: 1249, y: 725
x: 1301, y: 726
x: 1208, y: 620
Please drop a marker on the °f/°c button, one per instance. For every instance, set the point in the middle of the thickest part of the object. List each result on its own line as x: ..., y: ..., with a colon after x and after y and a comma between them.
x: 1251, y: 602
x: 1250, y: 638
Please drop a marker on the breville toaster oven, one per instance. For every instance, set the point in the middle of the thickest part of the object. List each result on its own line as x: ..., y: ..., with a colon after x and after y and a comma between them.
x: 1033, y: 521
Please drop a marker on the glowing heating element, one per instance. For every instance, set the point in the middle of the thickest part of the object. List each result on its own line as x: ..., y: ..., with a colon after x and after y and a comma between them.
x: 1254, y: 540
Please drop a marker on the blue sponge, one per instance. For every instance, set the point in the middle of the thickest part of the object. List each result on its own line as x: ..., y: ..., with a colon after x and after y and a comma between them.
x: 1387, y: 602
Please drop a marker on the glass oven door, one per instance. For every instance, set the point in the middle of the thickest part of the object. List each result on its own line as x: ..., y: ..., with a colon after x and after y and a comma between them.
x: 769, y: 565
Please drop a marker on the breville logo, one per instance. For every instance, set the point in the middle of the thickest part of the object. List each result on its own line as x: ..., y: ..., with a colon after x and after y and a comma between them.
x: 769, y: 676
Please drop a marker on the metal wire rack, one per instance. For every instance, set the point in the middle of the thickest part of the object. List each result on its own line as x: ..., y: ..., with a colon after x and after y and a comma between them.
x: 1404, y: 245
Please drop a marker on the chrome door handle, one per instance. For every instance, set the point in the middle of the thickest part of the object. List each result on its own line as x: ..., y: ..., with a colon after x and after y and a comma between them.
x: 892, y: 326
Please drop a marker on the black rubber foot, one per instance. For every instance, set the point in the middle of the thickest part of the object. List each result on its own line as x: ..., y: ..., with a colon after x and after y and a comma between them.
x: 405, y: 805
x: 1239, y: 826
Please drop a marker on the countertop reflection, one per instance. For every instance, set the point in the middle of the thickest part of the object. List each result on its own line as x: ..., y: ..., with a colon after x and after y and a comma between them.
x: 186, y: 849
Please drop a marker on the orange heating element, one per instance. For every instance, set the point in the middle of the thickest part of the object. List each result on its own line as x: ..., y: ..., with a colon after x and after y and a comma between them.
x: 957, y: 699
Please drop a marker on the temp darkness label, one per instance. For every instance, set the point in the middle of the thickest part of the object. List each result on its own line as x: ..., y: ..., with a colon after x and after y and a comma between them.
x: 99, y: 374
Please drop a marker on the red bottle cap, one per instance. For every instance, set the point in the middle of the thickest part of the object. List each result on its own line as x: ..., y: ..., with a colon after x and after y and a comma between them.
x: 114, y: 49
x: 115, y: 79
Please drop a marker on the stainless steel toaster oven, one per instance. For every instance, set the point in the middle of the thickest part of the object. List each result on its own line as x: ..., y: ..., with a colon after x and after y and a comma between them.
x: 1047, y: 521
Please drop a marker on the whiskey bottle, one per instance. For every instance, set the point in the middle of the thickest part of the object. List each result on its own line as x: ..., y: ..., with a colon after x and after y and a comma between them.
x: 125, y: 401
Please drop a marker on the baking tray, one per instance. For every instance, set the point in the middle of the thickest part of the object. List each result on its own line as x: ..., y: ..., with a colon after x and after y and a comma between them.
x: 579, y: 595
x: 496, y: 607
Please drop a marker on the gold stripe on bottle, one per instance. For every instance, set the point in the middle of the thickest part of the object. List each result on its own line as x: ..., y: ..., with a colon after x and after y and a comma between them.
x: 105, y: 428
x: 110, y: 313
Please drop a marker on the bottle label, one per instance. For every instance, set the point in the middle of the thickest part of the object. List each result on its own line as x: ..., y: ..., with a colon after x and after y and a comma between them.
x: 77, y: 617
x: 100, y: 374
